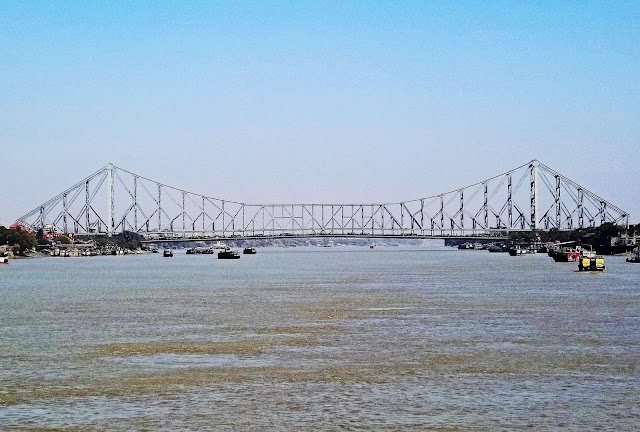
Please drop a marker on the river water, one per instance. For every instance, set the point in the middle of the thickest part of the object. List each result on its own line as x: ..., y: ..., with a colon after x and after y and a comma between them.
x: 342, y: 338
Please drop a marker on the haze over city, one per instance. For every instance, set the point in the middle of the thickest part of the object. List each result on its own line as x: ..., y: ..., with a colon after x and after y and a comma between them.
x: 318, y: 102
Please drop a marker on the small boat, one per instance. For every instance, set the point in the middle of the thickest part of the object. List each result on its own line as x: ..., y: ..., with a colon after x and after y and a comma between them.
x: 249, y: 251
x: 465, y: 246
x: 4, y: 260
x: 635, y: 256
x: 167, y: 253
x: 501, y: 247
x: 518, y: 250
x: 228, y: 254
x: 591, y: 262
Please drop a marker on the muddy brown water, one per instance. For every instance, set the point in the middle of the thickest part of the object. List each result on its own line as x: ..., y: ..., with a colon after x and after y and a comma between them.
x: 341, y: 338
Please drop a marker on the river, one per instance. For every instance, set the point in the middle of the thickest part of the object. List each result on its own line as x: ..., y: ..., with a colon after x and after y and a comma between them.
x: 342, y: 338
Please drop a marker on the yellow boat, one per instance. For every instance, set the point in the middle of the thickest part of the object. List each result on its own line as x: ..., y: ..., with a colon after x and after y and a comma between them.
x: 591, y: 262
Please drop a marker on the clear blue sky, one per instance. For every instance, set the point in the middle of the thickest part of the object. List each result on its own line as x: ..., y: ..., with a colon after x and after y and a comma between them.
x: 318, y: 101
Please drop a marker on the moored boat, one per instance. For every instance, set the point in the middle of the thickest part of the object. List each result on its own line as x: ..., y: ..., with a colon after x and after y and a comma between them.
x: 228, y: 254
x: 249, y: 251
x: 635, y: 256
x: 500, y: 247
x: 4, y: 260
x: 167, y: 253
x: 567, y: 254
x: 517, y: 250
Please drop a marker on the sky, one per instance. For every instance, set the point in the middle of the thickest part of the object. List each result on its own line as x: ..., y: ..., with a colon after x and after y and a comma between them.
x: 318, y: 101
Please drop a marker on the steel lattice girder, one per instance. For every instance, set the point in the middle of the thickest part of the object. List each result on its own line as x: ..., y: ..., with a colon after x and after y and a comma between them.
x: 499, y: 204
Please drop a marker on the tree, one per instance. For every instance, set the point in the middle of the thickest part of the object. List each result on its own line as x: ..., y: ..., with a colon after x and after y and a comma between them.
x: 21, y: 239
x: 63, y: 239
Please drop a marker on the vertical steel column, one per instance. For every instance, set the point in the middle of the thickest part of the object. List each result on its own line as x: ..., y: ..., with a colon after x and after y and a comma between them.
x: 333, y: 220
x: 110, y: 199
x: 558, y: 209
x: 213, y: 227
x: 224, y: 227
x: 461, y: 209
x: 533, y: 177
x: 135, y: 203
x: 486, y: 205
x: 422, y: 216
x: 159, y: 207
x: 353, y: 220
x: 510, y: 201
x: 65, y: 210
x: 442, y: 212
x: 372, y: 224
x: 87, y: 205
x: 184, y: 227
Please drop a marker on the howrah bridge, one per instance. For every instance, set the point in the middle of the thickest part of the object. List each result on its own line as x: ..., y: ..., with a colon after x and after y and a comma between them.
x: 531, y: 197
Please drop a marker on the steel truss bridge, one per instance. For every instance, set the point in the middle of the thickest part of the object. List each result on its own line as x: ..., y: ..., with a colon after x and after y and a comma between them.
x: 527, y: 198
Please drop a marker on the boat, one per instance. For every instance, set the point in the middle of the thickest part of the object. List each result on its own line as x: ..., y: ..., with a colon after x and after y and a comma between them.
x: 589, y: 261
x: 200, y: 250
x: 635, y: 256
x: 465, y: 246
x: 228, y: 254
x: 518, y: 250
x: 249, y: 251
x: 167, y: 253
x: 501, y: 247
x: 4, y: 260
x: 567, y: 254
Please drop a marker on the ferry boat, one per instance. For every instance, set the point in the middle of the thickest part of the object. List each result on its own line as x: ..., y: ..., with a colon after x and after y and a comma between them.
x: 567, y: 254
x: 249, y: 251
x: 167, y: 253
x: 635, y: 256
x: 228, y: 254
x: 589, y: 261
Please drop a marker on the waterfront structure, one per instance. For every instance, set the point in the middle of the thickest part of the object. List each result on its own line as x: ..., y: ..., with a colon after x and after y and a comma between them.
x: 529, y: 197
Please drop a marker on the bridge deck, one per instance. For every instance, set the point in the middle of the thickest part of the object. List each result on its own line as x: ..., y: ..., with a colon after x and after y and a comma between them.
x: 175, y: 239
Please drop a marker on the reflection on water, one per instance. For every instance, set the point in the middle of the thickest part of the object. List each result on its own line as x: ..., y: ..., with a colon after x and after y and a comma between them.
x: 317, y: 339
